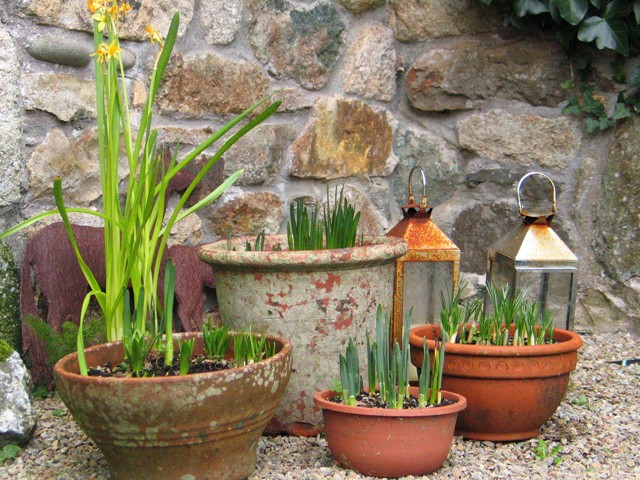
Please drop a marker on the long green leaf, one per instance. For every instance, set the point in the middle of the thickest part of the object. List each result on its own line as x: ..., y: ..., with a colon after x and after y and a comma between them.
x: 41, y: 216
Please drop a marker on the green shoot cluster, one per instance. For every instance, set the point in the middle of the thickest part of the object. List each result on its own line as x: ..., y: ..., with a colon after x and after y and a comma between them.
x: 306, y: 231
x: 388, y: 368
x: 469, y: 324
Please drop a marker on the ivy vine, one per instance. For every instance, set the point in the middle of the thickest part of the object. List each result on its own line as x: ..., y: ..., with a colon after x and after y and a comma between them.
x: 612, y: 25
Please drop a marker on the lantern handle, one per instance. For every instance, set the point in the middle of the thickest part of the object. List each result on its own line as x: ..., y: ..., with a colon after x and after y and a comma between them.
x: 553, y: 189
x: 423, y: 200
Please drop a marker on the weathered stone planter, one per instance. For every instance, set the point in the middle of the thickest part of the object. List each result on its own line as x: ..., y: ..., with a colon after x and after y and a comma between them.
x: 199, y: 426
x: 318, y: 299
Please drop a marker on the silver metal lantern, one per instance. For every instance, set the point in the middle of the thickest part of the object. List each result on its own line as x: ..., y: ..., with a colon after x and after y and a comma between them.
x: 533, y: 258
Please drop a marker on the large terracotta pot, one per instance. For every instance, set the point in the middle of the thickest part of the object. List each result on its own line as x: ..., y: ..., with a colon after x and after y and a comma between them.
x: 201, y: 426
x: 316, y: 298
x: 511, y: 391
x: 386, y: 442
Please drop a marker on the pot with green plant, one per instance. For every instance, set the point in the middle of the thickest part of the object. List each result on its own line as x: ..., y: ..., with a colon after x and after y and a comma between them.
x: 149, y: 423
x: 317, y: 285
x: 388, y: 428
x: 175, y: 423
x: 511, y: 364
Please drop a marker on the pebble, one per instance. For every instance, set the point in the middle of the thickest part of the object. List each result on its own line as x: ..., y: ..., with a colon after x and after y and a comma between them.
x: 599, y: 439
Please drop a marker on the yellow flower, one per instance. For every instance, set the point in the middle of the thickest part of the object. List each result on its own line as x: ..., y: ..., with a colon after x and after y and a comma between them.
x: 154, y: 35
x: 113, y: 10
x: 106, y: 52
x: 96, y: 5
x: 114, y: 50
x: 124, y: 8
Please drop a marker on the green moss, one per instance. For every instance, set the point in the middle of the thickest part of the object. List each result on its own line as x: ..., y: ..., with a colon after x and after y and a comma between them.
x: 5, y: 350
x: 10, y: 325
x: 57, y: 345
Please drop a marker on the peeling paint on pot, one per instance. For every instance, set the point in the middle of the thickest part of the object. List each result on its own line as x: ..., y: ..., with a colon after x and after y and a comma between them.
x: 316, y: 299
x: 171, y: 427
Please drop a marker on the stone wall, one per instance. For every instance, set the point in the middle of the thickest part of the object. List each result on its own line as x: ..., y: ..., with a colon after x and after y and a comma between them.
x: 369, y: 89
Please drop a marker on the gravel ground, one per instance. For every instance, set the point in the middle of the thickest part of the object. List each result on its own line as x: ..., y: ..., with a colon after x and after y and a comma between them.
x: 595, y: 433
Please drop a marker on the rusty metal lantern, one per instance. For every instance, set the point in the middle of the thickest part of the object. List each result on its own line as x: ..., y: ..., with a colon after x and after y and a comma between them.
x: 533, y: 258
x: 430, y: 267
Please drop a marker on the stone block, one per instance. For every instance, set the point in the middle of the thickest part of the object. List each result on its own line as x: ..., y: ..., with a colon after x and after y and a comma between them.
x: 248, y: 214
x: 417, y: 20
x: 74, y: 15
x: 12, y: 157
x: 260, y: 153
x: 370, y: 64
x: 345, y: 138
x: 222, y: 20
x: 415, y: 146
x: 17, y: 418
x: 301, y: 43
x: 67, y: 97
x: 617, y: 236
x: 464, y: 74
x: 527, y: 140
x: 207, y: 84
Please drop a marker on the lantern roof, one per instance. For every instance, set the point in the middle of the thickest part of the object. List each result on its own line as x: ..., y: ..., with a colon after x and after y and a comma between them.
x: 420, y: 232
x: 535, y: 242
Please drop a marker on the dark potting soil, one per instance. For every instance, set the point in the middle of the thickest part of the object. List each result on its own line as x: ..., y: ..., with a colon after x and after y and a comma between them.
x: 373, y: 400
x: 155, y: 367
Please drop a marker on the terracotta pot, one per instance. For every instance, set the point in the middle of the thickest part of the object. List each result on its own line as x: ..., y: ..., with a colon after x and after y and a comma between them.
x: 386, y: 442
x: 511, y: 391
x: 201, y: 426
x: 316, y: 298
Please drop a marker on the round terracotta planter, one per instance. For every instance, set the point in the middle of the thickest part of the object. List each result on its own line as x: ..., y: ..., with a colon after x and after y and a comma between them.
x: 390, y: 443
x: 201, y: 426
x: 316, y: 298
x: 511, y: 391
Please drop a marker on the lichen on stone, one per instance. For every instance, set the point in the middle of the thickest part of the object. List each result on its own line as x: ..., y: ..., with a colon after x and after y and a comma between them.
x: 5, y: 350
x: 10, y: 325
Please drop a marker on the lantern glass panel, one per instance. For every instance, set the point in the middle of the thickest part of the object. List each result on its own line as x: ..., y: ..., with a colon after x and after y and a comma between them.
x: 501, y: 270
x: 552, y: 289
x: 423, y: 282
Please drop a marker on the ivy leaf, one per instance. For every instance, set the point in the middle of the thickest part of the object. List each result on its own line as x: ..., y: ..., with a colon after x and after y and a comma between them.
x: 634, y: 77
x: 553, y: 10
x: 573, y: 11
x: 596, y: 3
x: 617, y: 8
x: 607, y: 33
x: 591, y: 124
x: 621, y: 111
x: 534, y: 7
x: 572, y: 110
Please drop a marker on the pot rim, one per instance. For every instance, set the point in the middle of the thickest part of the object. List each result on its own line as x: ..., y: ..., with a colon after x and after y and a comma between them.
x: 60, y: 368
x: 379, y: 249
x: 321, y: 400
x: 568, y: 341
